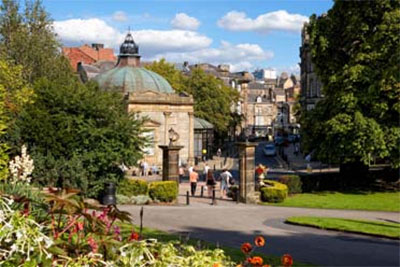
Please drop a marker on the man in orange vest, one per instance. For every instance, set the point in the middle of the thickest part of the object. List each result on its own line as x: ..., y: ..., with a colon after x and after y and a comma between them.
x: 193, y: 177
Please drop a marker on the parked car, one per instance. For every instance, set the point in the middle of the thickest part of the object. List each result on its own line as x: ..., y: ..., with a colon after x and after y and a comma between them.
x: 269, y: 150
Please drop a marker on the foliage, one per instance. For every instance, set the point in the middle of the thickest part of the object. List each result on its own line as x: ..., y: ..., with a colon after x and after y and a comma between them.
x: 167, y: 70
x: 274, y: 192
x: 379, y: 228
x: 79, y: 135
x: 21, y: 238
x: 165, y: 191
x: 152, y: 253
x: 28, y: 40
x: 138, y: 200
x: 21, y: 167
x: 293, y: 183
x: 213, y: 99
x: 123, y: 199
x: 357, y: 200
x: 355, y: 49
x: 132, y: 187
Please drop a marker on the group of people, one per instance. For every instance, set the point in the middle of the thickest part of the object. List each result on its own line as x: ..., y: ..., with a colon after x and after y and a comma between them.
x: 210, y: 179
x: 145, y: 169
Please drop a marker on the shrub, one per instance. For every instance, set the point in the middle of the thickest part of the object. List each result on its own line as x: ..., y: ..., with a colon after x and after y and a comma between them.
x: 293, y: 183
x: 274, y: 191
x: 141, y: 199
x: 132, y: 187
x: 165, y: 191
x: 122, y: 199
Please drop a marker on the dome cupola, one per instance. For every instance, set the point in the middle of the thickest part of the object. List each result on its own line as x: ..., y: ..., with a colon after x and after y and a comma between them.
x: 129, y: 47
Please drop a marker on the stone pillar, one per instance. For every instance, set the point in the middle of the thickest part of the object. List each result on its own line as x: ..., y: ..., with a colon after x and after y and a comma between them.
x: 246, y: 172
x: 166, y: 116
x: 191, y: 139
x: 170, y: 169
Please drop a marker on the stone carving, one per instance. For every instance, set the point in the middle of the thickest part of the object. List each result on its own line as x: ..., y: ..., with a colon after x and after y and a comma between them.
x: 173, y: 137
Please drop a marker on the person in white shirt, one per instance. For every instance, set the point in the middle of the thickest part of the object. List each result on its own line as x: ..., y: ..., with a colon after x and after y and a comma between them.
x: 226, y: 176
x: 205, y: 171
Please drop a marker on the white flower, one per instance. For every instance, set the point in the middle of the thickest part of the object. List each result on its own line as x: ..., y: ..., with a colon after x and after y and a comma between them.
x: 18, y: 234
x: 13, y: 248
x: 48, y: 242
x: 49, y: 256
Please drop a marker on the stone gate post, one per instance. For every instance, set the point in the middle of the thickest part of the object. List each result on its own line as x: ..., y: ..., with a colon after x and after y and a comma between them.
x: 246, y: 172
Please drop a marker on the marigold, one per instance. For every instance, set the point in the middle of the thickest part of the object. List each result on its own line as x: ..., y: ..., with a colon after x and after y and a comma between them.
x: 134, y: 236
x: 266, y: 265
x: 255, y: 261
x: 217, y: 264
x: 259, y: 241
x: 287, y: 260
x: 246, y: 248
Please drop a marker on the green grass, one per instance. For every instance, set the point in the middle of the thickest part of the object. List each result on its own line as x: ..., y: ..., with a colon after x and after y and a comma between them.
x: 235, y: 254
x: 378, y: 228
x: 378, y: 201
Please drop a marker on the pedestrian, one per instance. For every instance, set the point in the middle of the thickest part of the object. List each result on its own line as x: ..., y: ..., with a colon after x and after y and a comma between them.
x: 193, y: 177
x: 141, y: 168
x: 145, y: 168
x: 296, y: 149
x: 210, y: 181
x: 225, y: 181
x: 205, y: 171
x: 219, y: 152
x: 181, y: 173
x: 154, y: 169
x: 190, y: 169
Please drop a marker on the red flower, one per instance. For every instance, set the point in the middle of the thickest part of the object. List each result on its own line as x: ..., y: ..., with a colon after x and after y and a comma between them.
x: 134, y: 236
x: 259, y: 241
x: 26, y: 209
x: 246, y: 248
x: 287, y: 260
x: 92, y: 243
x: 255, y: 261
x: 79, y: 226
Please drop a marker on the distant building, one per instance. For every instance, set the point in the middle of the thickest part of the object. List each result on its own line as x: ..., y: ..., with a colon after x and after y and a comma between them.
x: 311, y: 87
x: 86, y: 54
x: 264, y: 74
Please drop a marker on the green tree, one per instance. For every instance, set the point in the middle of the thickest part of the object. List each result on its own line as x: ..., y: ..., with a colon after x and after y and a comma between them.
x: 213, y: 99
x: 79, y: 136
x: 27, y: 39
x: 356, y: 53
x: 167, y: 70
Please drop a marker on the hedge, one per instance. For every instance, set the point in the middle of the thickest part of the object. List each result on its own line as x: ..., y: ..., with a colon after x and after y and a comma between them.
x: 275, y: 192
x: 132, y: 187
x: 293, y: 183
x: 165, y: 191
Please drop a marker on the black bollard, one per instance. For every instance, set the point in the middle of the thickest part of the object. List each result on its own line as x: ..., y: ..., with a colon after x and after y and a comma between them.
x: 202, y: 191
x: 237, y: 196
x: 214, y: 201
x: 187, y: 198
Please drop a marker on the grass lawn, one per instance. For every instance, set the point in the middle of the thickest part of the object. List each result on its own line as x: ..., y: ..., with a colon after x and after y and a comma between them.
x: 234, y: 253
x: 379, y: 201
x: 379, y: 228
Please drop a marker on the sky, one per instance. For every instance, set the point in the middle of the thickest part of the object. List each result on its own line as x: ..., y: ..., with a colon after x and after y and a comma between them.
x: 246, y: 34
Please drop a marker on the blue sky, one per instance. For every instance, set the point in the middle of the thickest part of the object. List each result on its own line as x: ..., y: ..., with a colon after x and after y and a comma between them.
x: 246, y: 34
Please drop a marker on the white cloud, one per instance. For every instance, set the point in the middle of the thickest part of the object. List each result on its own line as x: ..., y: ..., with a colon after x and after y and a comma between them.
x: 151, y: 42
x: 120, y: 16
x: 174, y: 45
x: 279, y: 20
x: 238, y: 56
x: 184, y: 22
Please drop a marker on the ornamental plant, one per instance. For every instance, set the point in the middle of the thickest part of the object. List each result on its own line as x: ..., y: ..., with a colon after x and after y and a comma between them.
x: 257, y: 261
x: 21, y: 167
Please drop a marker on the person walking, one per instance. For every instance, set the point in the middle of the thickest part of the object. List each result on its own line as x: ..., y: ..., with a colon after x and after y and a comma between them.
x: 210, y: 181
x: 193, y: 177
x: 205, y: 171
x: 225, y: 179
x: 181, y: 173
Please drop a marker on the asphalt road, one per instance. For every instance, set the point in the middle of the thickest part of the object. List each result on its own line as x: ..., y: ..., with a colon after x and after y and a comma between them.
x: 232, y: 224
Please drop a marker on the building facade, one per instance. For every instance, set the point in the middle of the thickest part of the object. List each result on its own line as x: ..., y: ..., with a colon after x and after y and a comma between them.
x: 149, y: 96
x: 311, y: 87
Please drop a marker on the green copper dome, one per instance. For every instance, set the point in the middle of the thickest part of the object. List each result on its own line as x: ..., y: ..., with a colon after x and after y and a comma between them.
x: 130, y: 79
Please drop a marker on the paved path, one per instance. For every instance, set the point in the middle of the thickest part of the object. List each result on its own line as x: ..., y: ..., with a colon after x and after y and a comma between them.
x: 232, y: 224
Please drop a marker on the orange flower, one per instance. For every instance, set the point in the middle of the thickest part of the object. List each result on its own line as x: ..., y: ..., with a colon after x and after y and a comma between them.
x: 255, y: 261
x: 134, y: 236
x: 246, y: 248
x: 217, y: 264
x: 287, y: 260
x: 266, y: 265
x: 259, y: 241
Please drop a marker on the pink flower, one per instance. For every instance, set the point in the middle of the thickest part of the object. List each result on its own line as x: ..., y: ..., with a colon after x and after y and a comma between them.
x: 92, y: 243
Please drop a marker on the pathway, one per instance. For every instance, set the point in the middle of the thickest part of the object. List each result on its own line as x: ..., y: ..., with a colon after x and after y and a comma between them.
x: 232, y: 224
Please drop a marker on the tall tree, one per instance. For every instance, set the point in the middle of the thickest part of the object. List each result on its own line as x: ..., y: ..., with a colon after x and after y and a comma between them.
x: 79, y: 136
x: 167, y: 70
x: 213, y: 99
x: 27, y: 39
x: 356, y: 53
